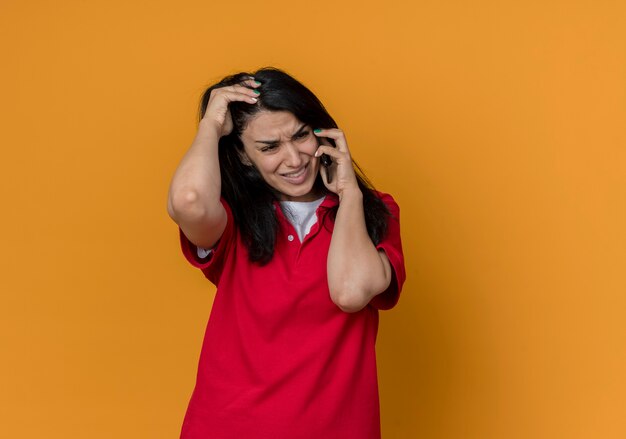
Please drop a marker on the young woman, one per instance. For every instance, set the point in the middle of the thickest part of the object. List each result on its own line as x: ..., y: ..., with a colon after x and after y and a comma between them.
x: 303, y: 253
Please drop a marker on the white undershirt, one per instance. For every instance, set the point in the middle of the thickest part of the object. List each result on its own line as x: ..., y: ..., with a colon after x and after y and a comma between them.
x: 301, y: 215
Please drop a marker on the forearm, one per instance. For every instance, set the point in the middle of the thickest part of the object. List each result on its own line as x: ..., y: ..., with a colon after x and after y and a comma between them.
x: 356, y: 270
x: 196, y: 185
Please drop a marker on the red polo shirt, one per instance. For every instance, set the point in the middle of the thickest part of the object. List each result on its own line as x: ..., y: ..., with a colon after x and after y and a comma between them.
x: 280, y: 360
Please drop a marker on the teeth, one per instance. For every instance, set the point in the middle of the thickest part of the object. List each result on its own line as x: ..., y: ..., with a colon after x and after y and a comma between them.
x: 295, y: 174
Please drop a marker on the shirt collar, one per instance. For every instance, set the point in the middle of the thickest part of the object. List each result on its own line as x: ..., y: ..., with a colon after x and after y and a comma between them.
x: 330, y: 201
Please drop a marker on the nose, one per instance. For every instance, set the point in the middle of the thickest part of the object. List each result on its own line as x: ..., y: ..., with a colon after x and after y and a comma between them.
x: 293, y: 159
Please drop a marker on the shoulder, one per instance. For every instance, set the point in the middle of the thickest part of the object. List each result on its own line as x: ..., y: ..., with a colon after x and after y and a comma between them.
x: 389, y: 201
x: 384, y: 196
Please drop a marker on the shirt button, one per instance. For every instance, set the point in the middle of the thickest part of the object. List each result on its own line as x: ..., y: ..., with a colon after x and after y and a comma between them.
x: 290, y: 237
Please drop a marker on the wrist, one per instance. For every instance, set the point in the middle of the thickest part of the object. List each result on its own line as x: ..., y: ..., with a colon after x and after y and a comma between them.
x: 208, y: 128
x: 351, y: 195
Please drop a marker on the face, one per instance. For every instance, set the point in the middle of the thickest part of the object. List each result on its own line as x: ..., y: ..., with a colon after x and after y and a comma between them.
x: 282, y: 149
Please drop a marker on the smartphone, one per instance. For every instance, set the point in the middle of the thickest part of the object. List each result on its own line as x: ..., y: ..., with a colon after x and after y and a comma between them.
x: 325, y: 159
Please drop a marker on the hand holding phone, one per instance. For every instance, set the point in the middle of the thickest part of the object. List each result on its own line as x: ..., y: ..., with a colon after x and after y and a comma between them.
x: 332, y: 142
x: 325, y: 159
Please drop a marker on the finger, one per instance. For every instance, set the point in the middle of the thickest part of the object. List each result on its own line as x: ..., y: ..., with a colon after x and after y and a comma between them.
x: 231, y: 97
x: 336, y: 134
x: 329, y: 150
x: 324, y: 141
x: 232, y: 94
x: 251, y: 82
x: 237, y: 88
x: 248, y: 87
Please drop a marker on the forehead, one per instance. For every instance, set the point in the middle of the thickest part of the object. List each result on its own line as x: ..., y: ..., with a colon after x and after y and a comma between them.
x: 267, y: 125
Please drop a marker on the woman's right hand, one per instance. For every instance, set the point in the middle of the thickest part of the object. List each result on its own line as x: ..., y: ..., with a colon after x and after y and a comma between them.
x: 217, y: 112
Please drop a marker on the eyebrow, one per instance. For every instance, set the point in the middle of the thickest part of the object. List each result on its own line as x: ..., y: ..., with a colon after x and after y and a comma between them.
x: 274, y: 142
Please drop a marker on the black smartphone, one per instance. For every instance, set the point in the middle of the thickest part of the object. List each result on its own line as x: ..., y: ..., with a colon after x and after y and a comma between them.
x: 325, y: 159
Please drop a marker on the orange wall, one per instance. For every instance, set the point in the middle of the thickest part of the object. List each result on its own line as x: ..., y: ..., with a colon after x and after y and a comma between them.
x: 498, y: 126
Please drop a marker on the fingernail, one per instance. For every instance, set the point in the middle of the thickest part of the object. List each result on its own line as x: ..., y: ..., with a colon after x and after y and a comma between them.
x: 254, y: 100
x: 256, y: 92
x: 257, y: 82
x: 317, y: 130
x: 317, y: 153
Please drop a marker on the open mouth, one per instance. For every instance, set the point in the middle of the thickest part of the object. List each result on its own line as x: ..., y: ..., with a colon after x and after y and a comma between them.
x: 298, y: 176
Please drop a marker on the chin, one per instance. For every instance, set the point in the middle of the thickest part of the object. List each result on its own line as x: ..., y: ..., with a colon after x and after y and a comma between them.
x: 301, y: 194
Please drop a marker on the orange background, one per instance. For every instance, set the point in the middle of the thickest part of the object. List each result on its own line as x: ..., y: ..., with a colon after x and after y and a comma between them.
x: 498, y: 126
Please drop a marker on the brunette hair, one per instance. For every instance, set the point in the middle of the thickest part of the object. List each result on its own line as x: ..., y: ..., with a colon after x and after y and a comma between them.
x: 249, y: 196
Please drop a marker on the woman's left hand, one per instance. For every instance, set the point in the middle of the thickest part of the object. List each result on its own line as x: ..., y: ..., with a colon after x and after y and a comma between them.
x: 342, y: 171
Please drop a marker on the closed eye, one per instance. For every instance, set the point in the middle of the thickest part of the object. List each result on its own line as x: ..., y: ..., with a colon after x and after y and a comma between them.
x: 301, y: 135
x: 269, y: 147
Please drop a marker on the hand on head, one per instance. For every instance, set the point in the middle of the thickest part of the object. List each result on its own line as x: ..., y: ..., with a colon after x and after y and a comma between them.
x: 217, y: 110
